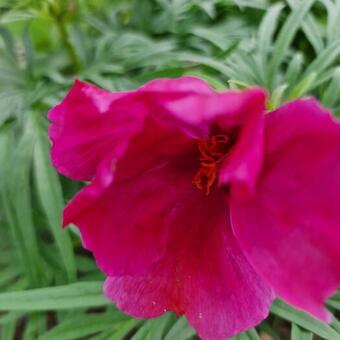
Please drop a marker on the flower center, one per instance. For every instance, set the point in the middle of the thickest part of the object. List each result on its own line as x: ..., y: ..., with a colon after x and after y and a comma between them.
x: 212, y: 152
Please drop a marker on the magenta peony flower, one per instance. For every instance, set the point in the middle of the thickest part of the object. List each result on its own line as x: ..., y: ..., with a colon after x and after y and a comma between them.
x: 201, y: 204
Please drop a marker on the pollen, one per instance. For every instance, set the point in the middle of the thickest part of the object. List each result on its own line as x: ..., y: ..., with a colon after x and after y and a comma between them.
x: 212, y: 152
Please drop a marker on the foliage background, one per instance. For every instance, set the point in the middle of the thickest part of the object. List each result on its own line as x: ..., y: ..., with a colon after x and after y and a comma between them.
x: 49, y: 287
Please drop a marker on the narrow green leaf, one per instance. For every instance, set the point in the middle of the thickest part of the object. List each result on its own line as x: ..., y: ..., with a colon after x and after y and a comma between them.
x: 84, y: 325
x: 160, y: 326
x: 213, y: 81
x: 207, y: 61
x: 121, y: 330
x: 332, y: 93
x: 333, y: 17
x: 237, y: 84
x: 286, y: 36
x: 180, y: 330
x: 249, y: 335
x: 336, y: 324
x: 8, y: 275
x: 36, y: 324
x: 211, y: 36
x: 77, y: 295
x: 305, y: 321
x: 259, y: 4
x: 26, y: 248
x: 143, y: 332
x: 8, y: 331
x: 19, y: 187
x: 9, y: 317
x: 310, y: 28
x: 294, y: 69
x: 334, y: 303
x: 8, y: 40
x: 253, y: 335
x: 297, y: 333
x: 51, y: 199
x: 266, y: 31
x: 302, y: 87
x: 276, y: 97
x: 324, y: 59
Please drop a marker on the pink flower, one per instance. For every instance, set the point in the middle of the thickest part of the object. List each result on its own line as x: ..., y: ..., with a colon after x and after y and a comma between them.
x: 200, y: 204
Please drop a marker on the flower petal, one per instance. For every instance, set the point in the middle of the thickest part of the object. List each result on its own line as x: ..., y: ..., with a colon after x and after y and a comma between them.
x: 203, y: 274
x: 243, y: 163
x: 290, y: 229
x: 84, y: 131
x: 91, y: 123
x: 121, y: 213
x: 198, y: 115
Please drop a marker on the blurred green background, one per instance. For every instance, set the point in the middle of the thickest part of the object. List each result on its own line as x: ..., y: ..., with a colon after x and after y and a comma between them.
x: 50, y: 287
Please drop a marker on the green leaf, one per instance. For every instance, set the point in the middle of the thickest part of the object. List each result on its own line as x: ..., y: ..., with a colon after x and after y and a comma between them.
x: 298, y: 333
x: 180, y: 330
x: 8, y: 331
x: 333, y: 17
x: 15, y: 199
x: 211, y: 36
x: 324, y: 59
x: 50, y: 195
x: 305, y: 321
x: 334, y: 303
x: 332, y: 92
x: 77, y: 295
x: 213, y: 81
x: 302, y: 87
x: 286, y: 36
x: 202, y: 60
x: 85, y: 325
x: 336, y: 324
x: 36, y: 324
x: 123, y: 329
x: 249, y: 335
x: 9, y: 317
x: 294, y: 69
x: 310, y: 28
x: 160, y: 326
x: 276, y: 98
x: 266, y: 31
x: 20, y: 195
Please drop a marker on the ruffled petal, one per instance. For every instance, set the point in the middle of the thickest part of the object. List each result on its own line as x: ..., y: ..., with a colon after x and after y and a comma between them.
x: 226, y: 111
x: 84, y: 129
x: 123, y: 221
x: 290, y: 229
x: 139, y: 147
x: 91, y: 123
x: 202, y: 274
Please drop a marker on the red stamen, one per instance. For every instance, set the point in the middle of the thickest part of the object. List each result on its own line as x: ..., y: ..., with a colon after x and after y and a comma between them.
x: 212, y: 151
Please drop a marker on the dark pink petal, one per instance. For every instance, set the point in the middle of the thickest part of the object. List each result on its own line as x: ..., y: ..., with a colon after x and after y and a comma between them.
x: 122, y: 221
x: 202, y: 274
x: 121, y: 213
x: 290, y: 229
x: 230, y: 110
x: 91, y: 123
x: 243, y: 164
x: 83, y: 131
x: 139, y: 175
